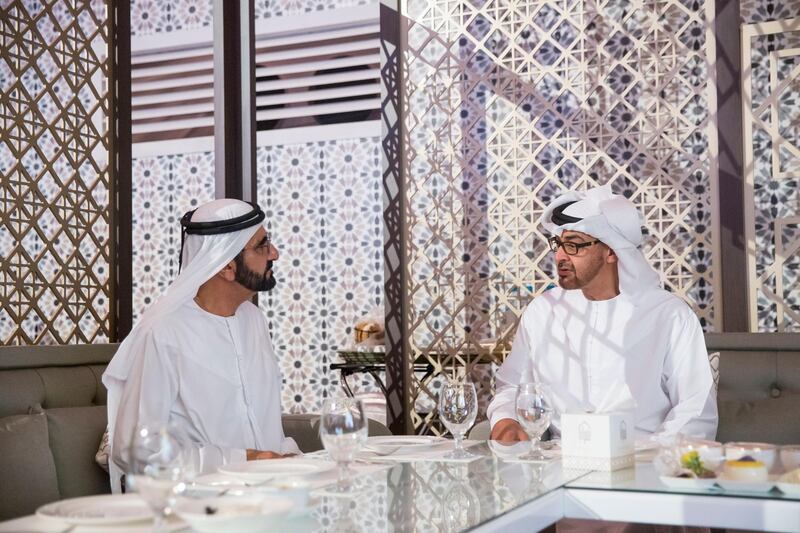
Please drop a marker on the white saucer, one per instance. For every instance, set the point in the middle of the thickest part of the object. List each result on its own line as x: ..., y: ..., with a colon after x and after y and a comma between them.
x: 402, y: 443
x: 688, y: 483
x: 102, y: 510
x: 273, y: 468
x: 746, y: 486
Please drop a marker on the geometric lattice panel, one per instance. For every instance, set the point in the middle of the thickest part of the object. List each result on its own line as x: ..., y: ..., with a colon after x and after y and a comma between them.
x: 771, y: 118
x: 164, y: 188
x: 325, y: 214
x: 56, y: 181
x: 508, y: 105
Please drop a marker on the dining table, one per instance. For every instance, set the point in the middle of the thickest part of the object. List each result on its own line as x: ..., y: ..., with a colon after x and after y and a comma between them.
x: 495, y: 491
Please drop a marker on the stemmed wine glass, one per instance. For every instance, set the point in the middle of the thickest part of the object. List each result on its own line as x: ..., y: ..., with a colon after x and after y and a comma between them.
x: 343, y: 429
x: 155, y: 469
x: 534, y: 415
x: 458, y: 407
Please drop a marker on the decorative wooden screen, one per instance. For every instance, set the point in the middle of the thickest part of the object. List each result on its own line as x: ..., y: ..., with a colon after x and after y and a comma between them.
x: 55, y: 139
x: 508, y: 104
x: 770, y: 111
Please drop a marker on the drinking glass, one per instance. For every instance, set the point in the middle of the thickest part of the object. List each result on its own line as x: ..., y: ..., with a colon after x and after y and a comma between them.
x: 155, y: 469
x: 458, y: 407
x: 343, y: 429
x: 534, y: 416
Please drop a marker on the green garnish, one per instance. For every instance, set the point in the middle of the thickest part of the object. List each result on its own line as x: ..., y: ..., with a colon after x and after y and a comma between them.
x: 691, y: 461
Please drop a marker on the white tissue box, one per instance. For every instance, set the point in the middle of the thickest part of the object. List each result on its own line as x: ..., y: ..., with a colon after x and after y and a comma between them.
x: 591, y: 441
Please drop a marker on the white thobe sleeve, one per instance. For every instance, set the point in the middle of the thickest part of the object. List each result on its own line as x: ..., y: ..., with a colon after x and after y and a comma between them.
x: 689, y: 383
x: 147, y: 398
x: 510, y: 374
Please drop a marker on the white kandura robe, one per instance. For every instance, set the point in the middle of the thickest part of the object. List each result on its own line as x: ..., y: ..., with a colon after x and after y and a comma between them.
x: 214, y: 377
x: 586, y: 352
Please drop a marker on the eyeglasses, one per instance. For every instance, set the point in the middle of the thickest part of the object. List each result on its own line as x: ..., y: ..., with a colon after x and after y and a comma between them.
x: 262, y: 248
x: 570, y: 248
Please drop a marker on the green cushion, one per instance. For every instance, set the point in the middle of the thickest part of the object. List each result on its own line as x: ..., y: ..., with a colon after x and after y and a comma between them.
x: 75, y: 434
x: 27, y: 469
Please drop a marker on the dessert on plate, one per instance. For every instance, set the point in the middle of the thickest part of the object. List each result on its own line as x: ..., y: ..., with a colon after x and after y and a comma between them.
x: 745, y: 468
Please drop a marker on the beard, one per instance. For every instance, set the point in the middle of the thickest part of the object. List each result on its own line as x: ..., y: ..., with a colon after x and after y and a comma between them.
x: 252, y: 280
x: 569, y: 279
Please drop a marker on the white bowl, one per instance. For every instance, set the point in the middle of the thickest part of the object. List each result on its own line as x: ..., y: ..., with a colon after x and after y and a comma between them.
x: 711, y: 453
x: 294, y: 489
x: 790, y: 457
x: 760, y: 451
x: 233, y: 514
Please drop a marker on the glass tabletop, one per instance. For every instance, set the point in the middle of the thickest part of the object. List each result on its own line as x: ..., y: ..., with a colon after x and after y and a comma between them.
x: 438, y: 496
x: 644, y: 478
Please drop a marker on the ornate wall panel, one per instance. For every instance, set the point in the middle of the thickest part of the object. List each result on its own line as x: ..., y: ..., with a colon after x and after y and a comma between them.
x: 771, y: 114
x: 56, y: 274
x: 510, y: 104
x: 164, y: 188
x: 278, y: 8
x: 324, y: 209
x: 164, y: 16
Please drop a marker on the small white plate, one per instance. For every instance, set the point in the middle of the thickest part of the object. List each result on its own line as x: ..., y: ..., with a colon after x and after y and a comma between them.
x: 402, y: 443
x: 688, y: 483
x: 233, y: 514
x: 272, y: 468
x: 790, y: 489
x: 104, y: 510
x: 746, y: 486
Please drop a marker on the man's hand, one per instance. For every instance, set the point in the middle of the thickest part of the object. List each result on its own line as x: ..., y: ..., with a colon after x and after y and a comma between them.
x: 508, y: 430
x: 257, y: 455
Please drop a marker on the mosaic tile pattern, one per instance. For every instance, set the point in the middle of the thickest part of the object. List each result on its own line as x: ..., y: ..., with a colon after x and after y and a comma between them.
x: 324, y: 207
x: 150, y: 17
x: 164, y: 188
x: 163, y: 16
x: 766, y: 10
x: 324, y: 210
x: 278, y: 8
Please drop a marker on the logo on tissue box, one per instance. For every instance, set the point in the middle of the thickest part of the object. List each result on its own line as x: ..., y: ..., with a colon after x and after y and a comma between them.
x: 596, y: 434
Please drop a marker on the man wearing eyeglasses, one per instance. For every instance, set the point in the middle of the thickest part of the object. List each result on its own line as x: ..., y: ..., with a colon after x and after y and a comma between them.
x: 201, y: 360
x: 609, y: 337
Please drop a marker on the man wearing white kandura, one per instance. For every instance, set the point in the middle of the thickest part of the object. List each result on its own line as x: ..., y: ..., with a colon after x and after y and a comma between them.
x: 201, y: 358
x: 609, y: 331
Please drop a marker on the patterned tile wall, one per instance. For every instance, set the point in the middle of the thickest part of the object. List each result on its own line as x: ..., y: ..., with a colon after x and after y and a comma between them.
x: 164, y: 188
x: 324, y: 209
x: 751, y: 11
x: 163, y: 16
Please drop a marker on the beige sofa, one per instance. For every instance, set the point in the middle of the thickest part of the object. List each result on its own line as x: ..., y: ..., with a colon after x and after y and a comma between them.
x: 52, y: 417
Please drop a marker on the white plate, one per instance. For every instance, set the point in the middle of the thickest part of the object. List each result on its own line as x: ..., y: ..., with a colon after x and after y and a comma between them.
x: 272, y: 468
x: 402, y: 443
x: 233, y: 514
x: 746, y: 486
x: 790, y: 489
x: 688, y: 483
x: 105, y: 510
